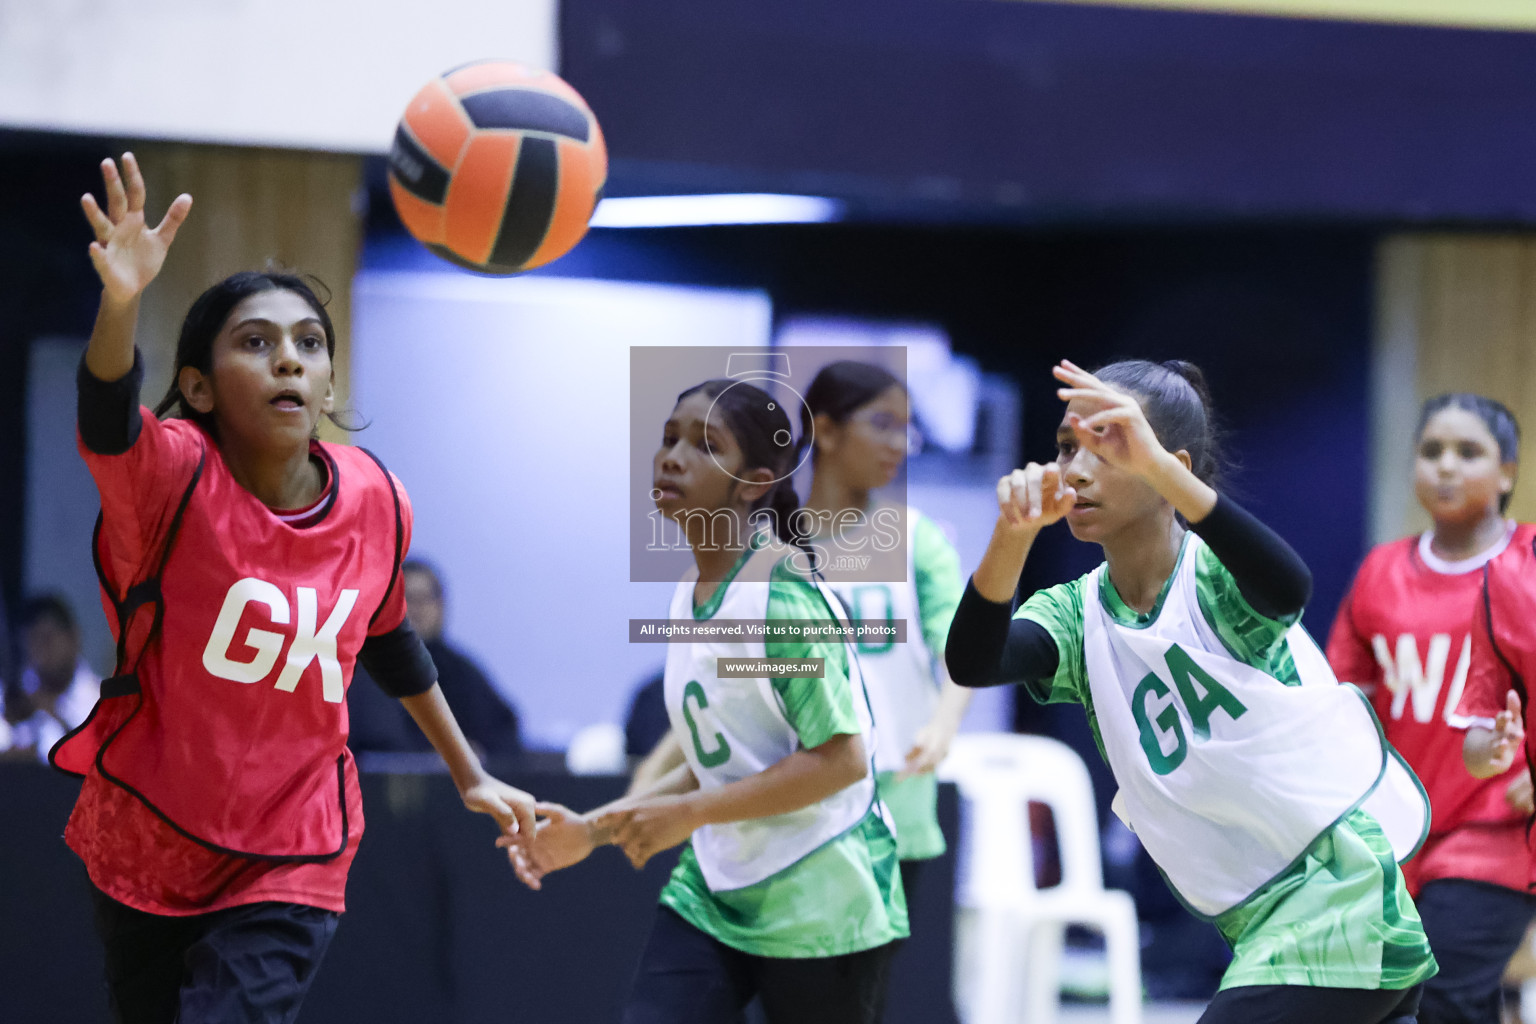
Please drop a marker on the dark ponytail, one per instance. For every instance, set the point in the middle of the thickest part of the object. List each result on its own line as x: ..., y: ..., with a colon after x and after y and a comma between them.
x: 762, y: 432
x: 1177, y: 403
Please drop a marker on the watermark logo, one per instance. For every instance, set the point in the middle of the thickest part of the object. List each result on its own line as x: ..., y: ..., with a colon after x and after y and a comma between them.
x: 759, y: 389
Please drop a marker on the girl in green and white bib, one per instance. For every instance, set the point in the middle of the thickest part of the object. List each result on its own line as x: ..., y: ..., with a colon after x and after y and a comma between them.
x: 1261, y: 787
x: 857, y: 413
x: 788, y: 889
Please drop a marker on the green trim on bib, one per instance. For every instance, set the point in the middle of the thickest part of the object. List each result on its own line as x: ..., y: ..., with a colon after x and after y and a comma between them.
x: 1387, y: 754
x: 1123, y: 613
x: 708, y: 608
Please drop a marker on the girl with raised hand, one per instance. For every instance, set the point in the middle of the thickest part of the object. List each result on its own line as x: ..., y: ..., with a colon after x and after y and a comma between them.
x: 245, y: 568
x: 788, y: 887
x: 1261, y: 788
x: 1404, y: 635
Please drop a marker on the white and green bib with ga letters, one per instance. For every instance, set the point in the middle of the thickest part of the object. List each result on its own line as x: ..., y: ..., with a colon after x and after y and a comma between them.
x: 1226, y: 774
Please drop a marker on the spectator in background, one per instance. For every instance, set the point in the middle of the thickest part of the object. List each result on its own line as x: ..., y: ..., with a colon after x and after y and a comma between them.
x: 382, y: 726
x: 55, y: 688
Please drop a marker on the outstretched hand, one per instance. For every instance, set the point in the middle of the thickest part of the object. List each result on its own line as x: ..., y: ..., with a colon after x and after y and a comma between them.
x: 645, y: 829
x: 1112, y: 425
x: 511, y: 807
x: 563, y: 838
x: 127, y: 253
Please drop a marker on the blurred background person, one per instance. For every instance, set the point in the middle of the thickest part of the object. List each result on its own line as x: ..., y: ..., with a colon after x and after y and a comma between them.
x: 1403, y: 635
x: 856, y: 422
x: 380, y: 725
x: 55, y: 688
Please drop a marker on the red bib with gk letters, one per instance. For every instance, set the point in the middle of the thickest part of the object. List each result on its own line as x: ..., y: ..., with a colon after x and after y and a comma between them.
x: 237, y: 637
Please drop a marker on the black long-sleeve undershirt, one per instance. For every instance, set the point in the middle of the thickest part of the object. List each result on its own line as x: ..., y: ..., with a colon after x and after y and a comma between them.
x: 988, y: 647
x: 108, y: 410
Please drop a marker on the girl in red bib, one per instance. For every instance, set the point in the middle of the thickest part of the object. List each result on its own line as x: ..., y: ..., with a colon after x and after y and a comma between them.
x: 1404, y: 635
x: 245, y: 569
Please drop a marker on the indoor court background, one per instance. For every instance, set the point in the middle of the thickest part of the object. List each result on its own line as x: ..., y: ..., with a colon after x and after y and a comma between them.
x: 1326, y: 204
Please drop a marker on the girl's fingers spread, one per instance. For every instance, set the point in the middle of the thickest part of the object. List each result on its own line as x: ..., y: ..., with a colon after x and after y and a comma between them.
x: 117, y: 199
x: 134, y: 181
x: 1106, y: 417
x: 1079, y: 426
x: 1071, y: 373
x: 100, y: 224
x: 1096, y: 394
x: 173, y: 219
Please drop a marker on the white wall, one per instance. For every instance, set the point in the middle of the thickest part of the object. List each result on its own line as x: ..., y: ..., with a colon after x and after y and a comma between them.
x: 503, y: 405
x: 313, y: 74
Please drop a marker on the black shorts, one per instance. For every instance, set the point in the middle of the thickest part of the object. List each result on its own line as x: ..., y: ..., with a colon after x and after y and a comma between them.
x: 1473, y: 929
x: 688, y: 977
x: 1304, y: 1004
x: 245, y: 965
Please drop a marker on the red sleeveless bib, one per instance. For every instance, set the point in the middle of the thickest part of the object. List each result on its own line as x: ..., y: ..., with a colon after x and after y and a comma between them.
x: 236, y: 644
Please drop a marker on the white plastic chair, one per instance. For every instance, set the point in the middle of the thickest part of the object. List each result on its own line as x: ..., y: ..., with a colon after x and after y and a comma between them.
x: 597, y: 749
x: 1020, y: 928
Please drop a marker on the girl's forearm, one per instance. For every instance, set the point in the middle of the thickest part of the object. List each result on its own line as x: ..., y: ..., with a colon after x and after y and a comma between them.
x: 436, y: 721
x: 662, y: 760
x: 109, y: 356
x: 997, y: 577
x: 1188, y: 494
x: 954, y: 699
x: 679, y: 780
x: 799, y: 780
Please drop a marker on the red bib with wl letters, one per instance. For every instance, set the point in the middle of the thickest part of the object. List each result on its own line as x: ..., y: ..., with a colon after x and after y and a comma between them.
x: 237, y: 636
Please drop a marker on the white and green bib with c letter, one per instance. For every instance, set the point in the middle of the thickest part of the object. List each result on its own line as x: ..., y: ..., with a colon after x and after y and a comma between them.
x: 733, y: 728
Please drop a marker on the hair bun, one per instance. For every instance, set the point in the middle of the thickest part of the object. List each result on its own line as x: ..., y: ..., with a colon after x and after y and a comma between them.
x: 1194, y: 376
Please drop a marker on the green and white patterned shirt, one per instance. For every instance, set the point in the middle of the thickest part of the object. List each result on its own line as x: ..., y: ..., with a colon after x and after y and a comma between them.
x: 841, y: 896
x: 903, y: 686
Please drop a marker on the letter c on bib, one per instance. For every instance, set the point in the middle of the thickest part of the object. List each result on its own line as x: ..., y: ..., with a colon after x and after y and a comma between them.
x: 1167, y: 724
x: 721, y: 752
x: 266, y: 643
